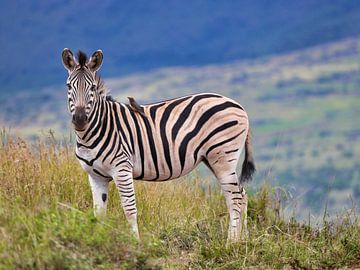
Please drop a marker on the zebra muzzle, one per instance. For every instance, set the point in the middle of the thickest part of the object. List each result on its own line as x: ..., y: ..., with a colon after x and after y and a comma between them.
x: 79, y: 118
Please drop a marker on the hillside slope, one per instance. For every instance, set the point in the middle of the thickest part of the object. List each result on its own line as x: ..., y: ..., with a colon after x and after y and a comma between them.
x: 303, y: 108
x: 46, y: 222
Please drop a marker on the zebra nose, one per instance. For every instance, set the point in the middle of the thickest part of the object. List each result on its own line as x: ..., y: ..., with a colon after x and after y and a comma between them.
x: 79, y: 118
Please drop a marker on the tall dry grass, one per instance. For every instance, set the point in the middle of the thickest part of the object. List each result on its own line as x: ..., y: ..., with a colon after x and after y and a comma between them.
x: 46, y: 222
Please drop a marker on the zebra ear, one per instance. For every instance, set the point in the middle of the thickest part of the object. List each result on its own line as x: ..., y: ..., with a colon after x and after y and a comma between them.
x: 68, y: 59
x: 95, y: 61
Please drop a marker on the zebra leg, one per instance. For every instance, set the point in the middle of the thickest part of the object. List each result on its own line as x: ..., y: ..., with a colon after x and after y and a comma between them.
x: 125, y: 185
x: 99, y: 188
x: 236, y: 201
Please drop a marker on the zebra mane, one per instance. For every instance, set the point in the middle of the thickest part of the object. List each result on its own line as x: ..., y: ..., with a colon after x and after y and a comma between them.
x: 82, y: 58
x: 102, y: 89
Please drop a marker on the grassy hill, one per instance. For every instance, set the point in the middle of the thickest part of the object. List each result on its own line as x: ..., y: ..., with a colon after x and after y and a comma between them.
x: 46, y: 222
x: 303, y: 109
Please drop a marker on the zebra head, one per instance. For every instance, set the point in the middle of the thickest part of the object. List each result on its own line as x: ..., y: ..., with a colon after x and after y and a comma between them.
x: 82, y: 84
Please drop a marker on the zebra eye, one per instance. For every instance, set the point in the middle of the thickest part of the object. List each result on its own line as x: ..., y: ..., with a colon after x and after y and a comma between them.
x: 68, y: 86
x: 93, y: 87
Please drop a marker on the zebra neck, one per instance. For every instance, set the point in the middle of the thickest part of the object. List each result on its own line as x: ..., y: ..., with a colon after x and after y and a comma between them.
x: 95, y: 125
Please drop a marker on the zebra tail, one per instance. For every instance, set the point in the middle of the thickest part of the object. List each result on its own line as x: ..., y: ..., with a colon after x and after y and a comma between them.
x: 248, y: 166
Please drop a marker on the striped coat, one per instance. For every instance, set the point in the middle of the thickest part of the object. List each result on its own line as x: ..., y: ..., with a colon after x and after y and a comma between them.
x: 156, y: 142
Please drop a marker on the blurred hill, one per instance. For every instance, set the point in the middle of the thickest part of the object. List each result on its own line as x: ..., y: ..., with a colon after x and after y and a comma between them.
x: 141, y: 35
x: 303, y: 108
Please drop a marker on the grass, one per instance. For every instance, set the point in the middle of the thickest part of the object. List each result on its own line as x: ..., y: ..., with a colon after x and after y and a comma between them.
x: 46, y: 222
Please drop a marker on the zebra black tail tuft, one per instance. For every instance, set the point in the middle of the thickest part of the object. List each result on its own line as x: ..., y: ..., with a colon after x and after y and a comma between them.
x: 248, y: 167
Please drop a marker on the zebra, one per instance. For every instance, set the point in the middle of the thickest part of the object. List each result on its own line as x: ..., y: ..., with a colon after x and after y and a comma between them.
x: 156, y: 142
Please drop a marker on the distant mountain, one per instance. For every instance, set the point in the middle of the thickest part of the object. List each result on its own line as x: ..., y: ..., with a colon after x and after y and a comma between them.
x: 140, y: 35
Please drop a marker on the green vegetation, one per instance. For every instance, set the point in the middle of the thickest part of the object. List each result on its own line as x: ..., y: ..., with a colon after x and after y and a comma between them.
x: 46, y: 222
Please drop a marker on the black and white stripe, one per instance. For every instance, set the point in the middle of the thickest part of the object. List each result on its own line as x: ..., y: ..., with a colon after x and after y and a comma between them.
x: 158, y: 142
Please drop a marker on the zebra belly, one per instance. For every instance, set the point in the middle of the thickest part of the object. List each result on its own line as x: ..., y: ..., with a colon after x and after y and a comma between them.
x: 149, y: 174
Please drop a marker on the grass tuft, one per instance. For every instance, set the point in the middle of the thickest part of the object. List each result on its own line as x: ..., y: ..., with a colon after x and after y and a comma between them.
x: 46, y: 222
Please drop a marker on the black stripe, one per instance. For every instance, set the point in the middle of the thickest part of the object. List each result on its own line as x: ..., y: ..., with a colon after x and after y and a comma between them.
x: 94, y: 116
x: 126, y: 191
x: 83, y: 159
x: 115, y: 153
x: 99, y: 173
x: 102, y: 131
x: 202, y: 120
x: 153, y: 110
x: 119, y: 127
x: 127, y: 196
x: 151, y: 144
x: 223, y: 142
x: 124, y: 170
x: 111, y: 151
x: 120, y: 162
x: 108, y: 137
x: 186, y: 112
x: 124, y: 118
x: 96, y: 121
x: 139, y: 142
x: 232, y: 151
x: 129, y: 204
x: 124, y: 161
x: 213, y: 133
x: 232, y: 184
x: 131, y: 201
x: 125, y: 185
x: 163, y: 123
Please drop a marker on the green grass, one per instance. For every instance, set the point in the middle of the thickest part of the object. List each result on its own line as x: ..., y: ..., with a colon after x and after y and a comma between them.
x: 46, y: 222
